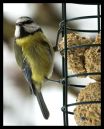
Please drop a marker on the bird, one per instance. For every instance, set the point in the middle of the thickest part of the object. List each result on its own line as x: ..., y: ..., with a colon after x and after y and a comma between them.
x: 35, y: 56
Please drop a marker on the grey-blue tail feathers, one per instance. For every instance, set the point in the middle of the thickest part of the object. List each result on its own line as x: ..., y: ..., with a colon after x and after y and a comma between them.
x: 42, y: 105
x: 41, y: 102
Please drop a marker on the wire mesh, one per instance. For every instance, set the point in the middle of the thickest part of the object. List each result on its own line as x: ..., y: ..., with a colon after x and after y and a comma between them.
x: 63, y: 27
x: 63, y: 30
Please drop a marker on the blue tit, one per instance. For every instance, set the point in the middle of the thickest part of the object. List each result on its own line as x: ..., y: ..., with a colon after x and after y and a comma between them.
x: 35, y: 56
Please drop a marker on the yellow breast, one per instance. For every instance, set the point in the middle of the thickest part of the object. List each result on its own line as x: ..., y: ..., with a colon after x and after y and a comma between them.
x: 37, y: 56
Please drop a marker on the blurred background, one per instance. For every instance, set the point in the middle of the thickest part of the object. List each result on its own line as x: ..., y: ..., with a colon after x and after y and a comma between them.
x: 19, y: 106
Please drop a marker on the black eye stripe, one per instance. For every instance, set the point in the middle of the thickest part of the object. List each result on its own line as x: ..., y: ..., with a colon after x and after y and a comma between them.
x: 25, y: 22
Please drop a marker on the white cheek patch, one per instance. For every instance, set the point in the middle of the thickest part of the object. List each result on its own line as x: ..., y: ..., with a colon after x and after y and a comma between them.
x: 31, y: 27
x: 17, y: 31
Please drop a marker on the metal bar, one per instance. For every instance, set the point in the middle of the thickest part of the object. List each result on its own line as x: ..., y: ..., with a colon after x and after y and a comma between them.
x: 84, y: 17
x: 57, y: 38
x: 80, y: 103
x: 65, y: 66
x: 94, y: 3
x: 87, y: 31
x: 98, y: 21
x: 78, y: 30
x: 81, y: 18
x: 84, y: 74
x: 84, y: 102
x: 63, y: 71
x: 79, y: 86
x: 81, y: 46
